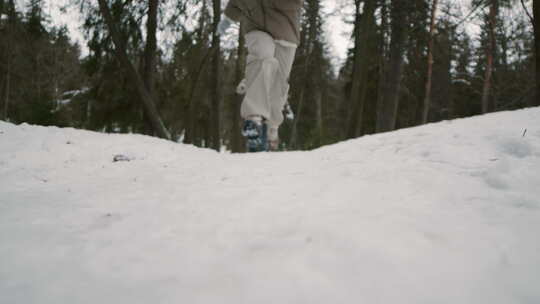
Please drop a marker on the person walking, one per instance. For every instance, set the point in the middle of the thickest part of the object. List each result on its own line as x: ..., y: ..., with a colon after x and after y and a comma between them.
x: 272, y: 31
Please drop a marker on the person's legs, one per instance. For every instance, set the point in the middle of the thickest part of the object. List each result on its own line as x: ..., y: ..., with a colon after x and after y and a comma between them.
x: 269, y: 65
x: 261, y: 70
x: 284, y: 53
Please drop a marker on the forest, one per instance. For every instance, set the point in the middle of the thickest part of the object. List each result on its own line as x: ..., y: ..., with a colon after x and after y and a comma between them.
x: 161, y: 68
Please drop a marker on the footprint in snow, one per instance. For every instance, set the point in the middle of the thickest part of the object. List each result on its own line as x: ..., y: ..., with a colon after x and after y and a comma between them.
x: 516, y: 147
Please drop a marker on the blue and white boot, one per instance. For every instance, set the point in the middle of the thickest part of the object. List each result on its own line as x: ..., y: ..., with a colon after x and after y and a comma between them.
x: 255, y: 131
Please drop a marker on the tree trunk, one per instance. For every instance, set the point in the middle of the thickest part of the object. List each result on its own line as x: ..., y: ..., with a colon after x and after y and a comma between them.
x: 8, y: 71
x: 192, y: 113
x: 389, y: 101
x: 319, y: 118
x: 8, y: 87
x: 490, y: 50
x: 383, y: 58
x: 149, y: 67
x: 364, y: 25
x: 215, y: 89
x: 151, y: 45
x: 236, y: 139
x: 193, y: 105
x: 294, y: 130
x: 133, y: 75
x: 427, y: 98
x: 536, y: 13
x: 313, y: 13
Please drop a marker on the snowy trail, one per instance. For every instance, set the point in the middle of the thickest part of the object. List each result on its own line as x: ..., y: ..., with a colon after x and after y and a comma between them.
x: 445, y: 213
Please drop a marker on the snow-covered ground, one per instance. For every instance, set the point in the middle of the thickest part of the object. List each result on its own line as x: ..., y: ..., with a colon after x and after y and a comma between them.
x: 445, y: 213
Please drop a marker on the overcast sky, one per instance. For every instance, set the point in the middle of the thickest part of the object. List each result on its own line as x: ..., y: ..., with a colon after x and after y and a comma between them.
x: 337, y: 31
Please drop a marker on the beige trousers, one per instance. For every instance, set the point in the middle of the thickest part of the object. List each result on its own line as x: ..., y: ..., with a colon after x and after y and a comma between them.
x: 269, y: 64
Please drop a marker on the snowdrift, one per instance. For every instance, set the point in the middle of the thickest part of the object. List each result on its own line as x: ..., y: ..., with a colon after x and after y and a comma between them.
x: 444, y: 213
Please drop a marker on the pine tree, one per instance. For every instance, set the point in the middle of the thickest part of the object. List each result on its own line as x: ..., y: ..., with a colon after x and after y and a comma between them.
x: 427, y: 97
x: 132, y: 73
x: 536, y: 14
x: 215, y: 87
x: 389, y: 101
x: 363, y: 59
x: 490, y: 49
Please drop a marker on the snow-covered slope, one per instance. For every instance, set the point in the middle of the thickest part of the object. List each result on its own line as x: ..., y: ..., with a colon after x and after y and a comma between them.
x: 445, y: 213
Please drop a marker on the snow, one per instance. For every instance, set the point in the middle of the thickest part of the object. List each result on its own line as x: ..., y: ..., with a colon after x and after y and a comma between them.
x: 67, y: 97
x: 444, y: 213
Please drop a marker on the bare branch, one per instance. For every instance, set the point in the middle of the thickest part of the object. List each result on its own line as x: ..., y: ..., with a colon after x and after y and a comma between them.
x: 527, y: 11
x: 481, y: 5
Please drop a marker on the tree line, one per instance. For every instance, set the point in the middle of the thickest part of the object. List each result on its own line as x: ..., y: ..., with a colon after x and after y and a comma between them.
x: 160, y: 68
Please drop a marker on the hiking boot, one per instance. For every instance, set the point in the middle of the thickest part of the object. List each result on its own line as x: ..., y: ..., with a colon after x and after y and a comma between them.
x: 255, y: 132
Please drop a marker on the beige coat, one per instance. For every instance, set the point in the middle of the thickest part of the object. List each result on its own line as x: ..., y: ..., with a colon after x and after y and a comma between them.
x: 279, y: 18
